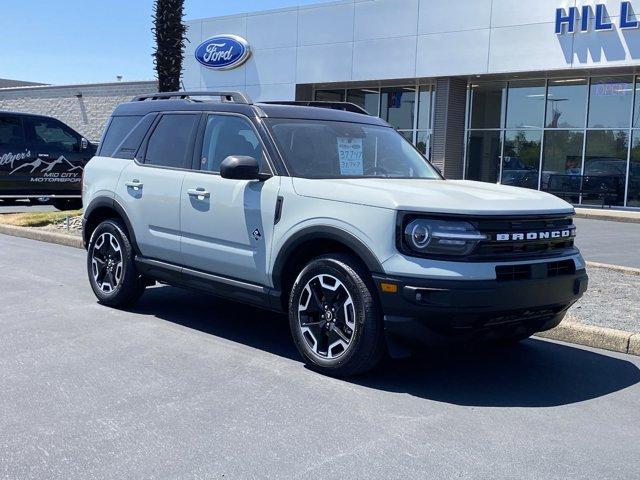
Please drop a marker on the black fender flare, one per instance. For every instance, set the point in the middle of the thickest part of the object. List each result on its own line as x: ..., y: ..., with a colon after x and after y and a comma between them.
x: 324, y: 232
x: 112, y: 204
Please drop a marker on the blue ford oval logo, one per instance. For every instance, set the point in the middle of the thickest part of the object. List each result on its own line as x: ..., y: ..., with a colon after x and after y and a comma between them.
x: 223, y: 52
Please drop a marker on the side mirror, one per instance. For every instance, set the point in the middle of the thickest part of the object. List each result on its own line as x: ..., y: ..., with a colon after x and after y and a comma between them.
x: 84, y: 143
x: 240, y: 167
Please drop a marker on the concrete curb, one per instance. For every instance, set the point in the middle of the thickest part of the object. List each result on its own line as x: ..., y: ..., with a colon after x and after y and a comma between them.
x: 571, y: 331
x: 42, y: 235
x: 611, y: 215
x: 618, y: 268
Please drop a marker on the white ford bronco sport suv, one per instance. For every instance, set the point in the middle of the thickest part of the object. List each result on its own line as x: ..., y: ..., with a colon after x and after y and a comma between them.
x: 327, y: 214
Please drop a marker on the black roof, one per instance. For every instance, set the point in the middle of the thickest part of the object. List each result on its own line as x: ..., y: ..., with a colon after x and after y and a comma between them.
x: 23, y: 114
x: 187, y: 101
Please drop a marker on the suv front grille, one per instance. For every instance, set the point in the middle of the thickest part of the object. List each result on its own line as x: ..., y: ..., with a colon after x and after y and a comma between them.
x: 528, y: 238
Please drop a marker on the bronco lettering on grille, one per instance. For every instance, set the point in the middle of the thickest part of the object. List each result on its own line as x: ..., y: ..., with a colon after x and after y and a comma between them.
x: 527, y: 236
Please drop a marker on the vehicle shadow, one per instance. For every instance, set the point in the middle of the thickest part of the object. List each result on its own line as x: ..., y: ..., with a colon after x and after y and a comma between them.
x: 535, y: 373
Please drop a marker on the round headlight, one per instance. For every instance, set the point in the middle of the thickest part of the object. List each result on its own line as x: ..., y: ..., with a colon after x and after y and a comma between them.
x: 419, y: 235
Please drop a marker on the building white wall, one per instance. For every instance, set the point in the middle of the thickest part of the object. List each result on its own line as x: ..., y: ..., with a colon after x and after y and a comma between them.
x: 87, y: 114
x: 353, y: 40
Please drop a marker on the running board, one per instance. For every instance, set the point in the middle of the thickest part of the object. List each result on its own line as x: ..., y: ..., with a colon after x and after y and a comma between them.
x: 225, y: 287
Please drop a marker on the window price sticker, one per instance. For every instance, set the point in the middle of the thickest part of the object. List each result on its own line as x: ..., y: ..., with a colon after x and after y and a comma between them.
x: 350, y: 155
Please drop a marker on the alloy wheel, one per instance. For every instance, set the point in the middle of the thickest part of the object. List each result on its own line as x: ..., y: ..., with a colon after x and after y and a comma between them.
x: 106, y: 262
x: 327, y: 316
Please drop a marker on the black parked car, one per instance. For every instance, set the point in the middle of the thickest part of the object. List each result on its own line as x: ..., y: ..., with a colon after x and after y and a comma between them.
x: 41, y: 158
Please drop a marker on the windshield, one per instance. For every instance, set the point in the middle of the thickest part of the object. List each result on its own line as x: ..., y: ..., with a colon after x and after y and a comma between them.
x: 327, y: 149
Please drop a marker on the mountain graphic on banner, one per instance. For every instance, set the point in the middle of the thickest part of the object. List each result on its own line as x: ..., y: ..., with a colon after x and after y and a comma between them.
x: 46, y: 167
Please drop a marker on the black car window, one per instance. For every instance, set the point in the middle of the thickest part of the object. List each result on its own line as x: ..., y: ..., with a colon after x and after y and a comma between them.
x: 53, y: 135
x: 11, y: 131
x: 119, y: 128
x: 227, y: 135
x: 170, y: 141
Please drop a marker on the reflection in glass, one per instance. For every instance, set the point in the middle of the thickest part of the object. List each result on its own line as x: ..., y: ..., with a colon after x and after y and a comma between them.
x: 605, y: 167
x: 610, y: 102
x: 636, y: 112
x: 397, y: 106
x: 633, y: 197
x: 521, y: 159
x: 483, y: 156
x: 365, y: 98
x: 330, y: 95
x: 487, y: 104
x: 562, y: 163
x: 566, y: 103
x: 425, y: 101
x: 525, y: 104
x: 406, y: 134
x: 422, y: 143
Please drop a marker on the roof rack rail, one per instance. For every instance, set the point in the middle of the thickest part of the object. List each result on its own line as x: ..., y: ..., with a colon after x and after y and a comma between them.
x: 345, y: 106
x: 225, y: 96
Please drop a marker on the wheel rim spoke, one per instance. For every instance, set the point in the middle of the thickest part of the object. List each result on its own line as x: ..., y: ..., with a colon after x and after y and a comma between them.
x: 107, y: 262
x: 326, y: 316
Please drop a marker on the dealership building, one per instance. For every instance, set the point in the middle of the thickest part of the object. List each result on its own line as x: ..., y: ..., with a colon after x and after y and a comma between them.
x: 541, y: 94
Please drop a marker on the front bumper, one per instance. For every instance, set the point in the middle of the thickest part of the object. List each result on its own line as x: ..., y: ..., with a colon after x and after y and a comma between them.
x: 435, y: 311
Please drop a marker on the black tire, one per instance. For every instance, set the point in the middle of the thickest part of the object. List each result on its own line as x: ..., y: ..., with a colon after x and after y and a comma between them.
x: 366, y: 344
x: 64, y: 204
x: 126, y: 285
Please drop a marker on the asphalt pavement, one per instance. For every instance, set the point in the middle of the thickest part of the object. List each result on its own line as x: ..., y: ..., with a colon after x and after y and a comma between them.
x: 22, y: 206
x: 605, y: 241
x: 188, y: 386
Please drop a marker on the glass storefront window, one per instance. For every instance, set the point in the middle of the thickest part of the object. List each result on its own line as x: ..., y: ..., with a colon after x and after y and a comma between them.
x: 408, y: 134
x: 605, y: 167
x: 365, y: 98
x: 397, y: 106
x: 423, y: 143
x: 483, y: 155
x: 562, y: 163
x: 330, y: 95
x: 636, y: 110
x: 487, y: 104
x: 610, y: 102
x: 566, y: 103
x: 525, y: 104
x: 633, y: 195
x: 425, y: 102
x: 521, y: 158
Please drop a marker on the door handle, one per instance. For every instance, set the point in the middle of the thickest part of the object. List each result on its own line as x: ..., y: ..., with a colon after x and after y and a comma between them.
x: 135, y: 184
x: 198, y: 192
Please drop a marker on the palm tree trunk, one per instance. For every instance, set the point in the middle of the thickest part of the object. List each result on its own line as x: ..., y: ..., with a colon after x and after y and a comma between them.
x: 169, y: 32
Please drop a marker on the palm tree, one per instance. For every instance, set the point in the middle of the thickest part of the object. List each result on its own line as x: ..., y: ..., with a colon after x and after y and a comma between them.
x: 169, y: 32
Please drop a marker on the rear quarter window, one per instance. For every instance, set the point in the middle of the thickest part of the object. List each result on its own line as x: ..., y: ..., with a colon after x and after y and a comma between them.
x: 11, y: 131
x: 117, y: 131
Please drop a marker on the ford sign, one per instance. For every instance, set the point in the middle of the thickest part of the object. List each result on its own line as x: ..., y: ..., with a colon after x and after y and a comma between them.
x: 223, y: 52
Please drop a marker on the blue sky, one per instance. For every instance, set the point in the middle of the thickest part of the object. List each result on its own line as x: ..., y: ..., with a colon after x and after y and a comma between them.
x: 84, y: 41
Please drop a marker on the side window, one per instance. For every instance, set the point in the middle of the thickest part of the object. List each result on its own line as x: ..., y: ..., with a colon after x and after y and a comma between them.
x: 227, y: 135
x: 118, y: 129
x: 170, y: 141
x: 11, y: 131
x: 52, y: 135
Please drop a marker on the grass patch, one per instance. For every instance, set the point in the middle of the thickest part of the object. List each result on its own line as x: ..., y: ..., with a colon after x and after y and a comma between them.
x: 37, y: 219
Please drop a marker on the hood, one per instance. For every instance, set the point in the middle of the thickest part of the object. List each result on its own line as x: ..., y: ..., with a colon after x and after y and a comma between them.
x: 436, y: 196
